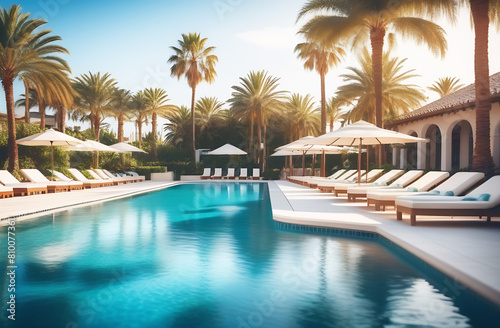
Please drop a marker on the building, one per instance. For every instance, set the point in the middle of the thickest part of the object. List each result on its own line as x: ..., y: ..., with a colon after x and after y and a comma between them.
x: 450, y: 125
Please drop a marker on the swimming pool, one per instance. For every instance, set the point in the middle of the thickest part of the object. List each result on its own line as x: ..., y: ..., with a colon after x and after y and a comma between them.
x: 210, y: 255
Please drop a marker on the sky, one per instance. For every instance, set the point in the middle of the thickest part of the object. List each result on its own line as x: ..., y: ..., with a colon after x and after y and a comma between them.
x: 131, y: 40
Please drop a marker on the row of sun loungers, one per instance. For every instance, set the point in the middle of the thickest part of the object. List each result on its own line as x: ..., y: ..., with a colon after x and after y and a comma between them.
x: 39, y: 184
x: 230, y: 174
x: 415, y: 193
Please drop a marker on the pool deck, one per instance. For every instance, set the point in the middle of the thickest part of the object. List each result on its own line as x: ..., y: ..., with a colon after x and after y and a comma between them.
x: 464, y: 249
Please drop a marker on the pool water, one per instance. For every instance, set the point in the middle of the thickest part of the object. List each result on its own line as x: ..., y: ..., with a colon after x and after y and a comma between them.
x: 210, y: 255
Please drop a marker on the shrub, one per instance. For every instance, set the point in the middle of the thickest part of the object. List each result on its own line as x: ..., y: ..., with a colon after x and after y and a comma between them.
x: 273, y: 174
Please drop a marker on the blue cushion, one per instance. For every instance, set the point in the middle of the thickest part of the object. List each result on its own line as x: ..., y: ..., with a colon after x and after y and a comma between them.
x: 484, y: 197
x: 470, y: 198
x: 412, y: 189
x: 449, y: 193
x: 434, y: 192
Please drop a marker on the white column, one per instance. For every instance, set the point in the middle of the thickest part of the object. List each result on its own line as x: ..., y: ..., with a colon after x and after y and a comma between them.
x: 394, y: 157
x: 421, y: 153
x: 445, y: 151
x: 402, y: 157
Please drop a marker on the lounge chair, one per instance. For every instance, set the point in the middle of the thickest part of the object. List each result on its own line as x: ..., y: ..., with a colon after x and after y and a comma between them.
x: 86, y: 182
x: 107, y: 182
x: 230, y: 174
x: 128, y: 178
x: 387, y: 197
x: 34, y: 175
x: 206, y: 174
x: 330, y: 185
x: 135, y: 175
x: 482, y: 201
x: 6, y: 192
x: 217, y: 173
x: 21, y: 188
x: 404, y: 180
x: 243, y: 174
x: 341, y: 188
x: 313, y: 181
x: 256, y: 174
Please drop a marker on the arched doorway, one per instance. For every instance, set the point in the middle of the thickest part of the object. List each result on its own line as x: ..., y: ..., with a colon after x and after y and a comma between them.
x: 411, y: 153
x: 433, y: 148
x: 461, y: 146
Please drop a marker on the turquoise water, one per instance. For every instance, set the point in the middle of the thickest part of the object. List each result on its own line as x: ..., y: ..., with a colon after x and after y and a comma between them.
x: 210, y: 255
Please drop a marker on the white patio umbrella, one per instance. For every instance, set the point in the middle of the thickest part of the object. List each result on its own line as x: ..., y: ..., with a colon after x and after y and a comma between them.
x: 128, y: 148
x: 363, y: 133
x: 50, y: 138
x: 313, y: 150
x: 227, y: 149
x: 92, y: 145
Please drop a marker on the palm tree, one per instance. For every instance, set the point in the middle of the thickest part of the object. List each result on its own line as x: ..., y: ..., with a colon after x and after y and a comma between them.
x: 334, y: 109
x: 95, y: 97
x: 209, y: 112
x: 156, y: 103
x: 255, y: 99
x: 321, y: 58
x: 300, y: 117
x: 196, y: 62
x: 25, y: 52
x: 398, y: 97
x: 120, y: 109
x: 140, y: 109
x: 177, y: 127
x: 482, y: 12
x: 358, y: 20
x: 446, y: 85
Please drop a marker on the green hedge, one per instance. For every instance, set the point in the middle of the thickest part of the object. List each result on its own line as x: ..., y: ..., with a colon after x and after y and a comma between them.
x: 273, y: 174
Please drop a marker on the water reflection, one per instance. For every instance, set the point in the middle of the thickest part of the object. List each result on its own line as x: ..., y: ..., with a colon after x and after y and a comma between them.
x: 209, y: 255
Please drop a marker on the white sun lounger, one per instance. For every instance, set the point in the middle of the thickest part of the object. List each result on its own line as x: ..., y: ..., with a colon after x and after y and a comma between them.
x: 243, y: 173
x: 329, y: 186
x: 217, y: 173
x: 21, y: 188
x: 206, y: 174
x: 387, y: 197
x: 482, y: 201
x: 404, y: 180
x: 256, y: 174
x: 107, y: 182
x: 116, y: 180
x: 34, y: 175
x: 308, y: 180
x: 127, y: 178
x: 86, y: 182
x: 341, y: 188
x: 230, y: 174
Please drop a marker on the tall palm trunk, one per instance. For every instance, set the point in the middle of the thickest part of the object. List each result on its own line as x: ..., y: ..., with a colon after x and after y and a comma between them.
x: 26, y: 102
x: 97, y: 129
x: 154, y: 120
x: 259, y: 139
x: 323, y: 102
x: 251, y: 144
x: 61, y: 116
x: 139, y: 128
x: 193, y: 96
x: 120, y: 127
x: 11, y: 124
x: 41, y: 109
x: 264, y: 149
x: 377, y: 35
x: 482, y: 160
x: 331, y: 123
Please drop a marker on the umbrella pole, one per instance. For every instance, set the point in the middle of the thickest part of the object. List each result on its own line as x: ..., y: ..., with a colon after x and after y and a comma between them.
x: 367, y: 161
x: 52, y: 156
x: 359, y: 160
x: 303, y: 163
x: 323, y: 169
x: 314, y: 159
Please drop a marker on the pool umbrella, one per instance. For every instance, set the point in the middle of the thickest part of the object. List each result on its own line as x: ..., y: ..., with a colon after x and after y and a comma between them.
x: 127, y: 148
x: 314, y: 150
x: 363, y: 133
x: 297, y: 143
x: 227, y: 149
x: 50, y: 138
x: 91, y: 145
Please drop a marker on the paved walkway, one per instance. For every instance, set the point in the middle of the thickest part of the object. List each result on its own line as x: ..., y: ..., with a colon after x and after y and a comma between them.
x: 464, y: 249
x: 29, y: 206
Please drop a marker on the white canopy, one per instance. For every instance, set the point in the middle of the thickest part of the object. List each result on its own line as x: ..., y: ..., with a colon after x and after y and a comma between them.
x: 91, y: 145
x: 302, y: 141
x: 364, y: 133
x: 227, y: 149
x: 125, y: 147
x: 50, y: 137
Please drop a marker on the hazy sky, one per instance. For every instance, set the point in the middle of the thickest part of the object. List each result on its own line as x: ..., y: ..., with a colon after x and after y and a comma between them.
x: 130, y: 39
